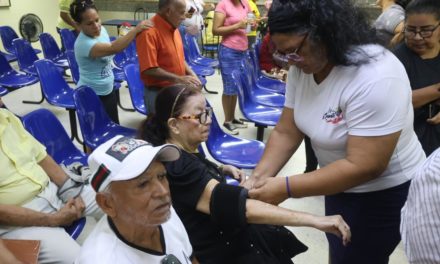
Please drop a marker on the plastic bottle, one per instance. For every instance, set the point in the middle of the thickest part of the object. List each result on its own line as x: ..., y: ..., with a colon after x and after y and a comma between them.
x: 124, y: 29
x: 250, y: 21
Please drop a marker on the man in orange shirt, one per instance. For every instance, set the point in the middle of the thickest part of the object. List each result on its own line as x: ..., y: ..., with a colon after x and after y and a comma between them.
x: 160, y: 49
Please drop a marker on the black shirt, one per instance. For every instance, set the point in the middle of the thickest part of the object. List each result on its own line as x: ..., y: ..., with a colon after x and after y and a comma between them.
x: 422, y: 73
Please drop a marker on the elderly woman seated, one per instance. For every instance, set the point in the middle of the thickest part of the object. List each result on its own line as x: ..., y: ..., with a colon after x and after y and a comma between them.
x: 223, y: 225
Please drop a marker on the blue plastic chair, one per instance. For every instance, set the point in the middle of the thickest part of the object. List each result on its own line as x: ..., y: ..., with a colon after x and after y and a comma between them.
x: 49, y: 131
x: 96, y: 126
x: 56, y: 91
x: 136, y: 87
x: 263, y: 116
x: 9, y: 57
x: 191, y: 46
x: 68, y: 38
x: 26, y: 57
x: 73, y: 65
x: 3, y: 91
x: 10, y: 78
x: 261, y: 96
x: 75, y: 229
x: 51, y: 50
x: 7, y: 35
x: 227, y: 149
x: 261, y: 80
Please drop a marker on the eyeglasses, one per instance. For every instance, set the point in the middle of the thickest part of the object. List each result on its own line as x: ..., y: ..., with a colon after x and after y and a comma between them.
x: 294, y: 56
x: 170, y: 259
x: 202, y: 117
x: 424, y: 33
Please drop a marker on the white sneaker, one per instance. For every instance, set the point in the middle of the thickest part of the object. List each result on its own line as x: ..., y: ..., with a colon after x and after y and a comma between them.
x: 230, y: 128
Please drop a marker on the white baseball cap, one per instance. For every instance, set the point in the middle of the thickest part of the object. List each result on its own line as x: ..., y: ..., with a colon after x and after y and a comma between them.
x: 125, y: 158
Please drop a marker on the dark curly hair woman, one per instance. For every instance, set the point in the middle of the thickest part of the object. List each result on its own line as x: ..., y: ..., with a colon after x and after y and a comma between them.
x: 352, y: 98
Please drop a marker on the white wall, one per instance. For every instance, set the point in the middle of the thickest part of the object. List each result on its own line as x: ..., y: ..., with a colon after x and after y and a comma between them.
x: 46, y: 10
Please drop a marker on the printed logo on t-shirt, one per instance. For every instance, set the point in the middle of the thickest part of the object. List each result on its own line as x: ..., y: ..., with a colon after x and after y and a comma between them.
x: 333, y: 116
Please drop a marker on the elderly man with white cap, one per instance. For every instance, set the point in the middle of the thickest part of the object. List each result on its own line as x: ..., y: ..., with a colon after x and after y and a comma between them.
x: 132, y: 189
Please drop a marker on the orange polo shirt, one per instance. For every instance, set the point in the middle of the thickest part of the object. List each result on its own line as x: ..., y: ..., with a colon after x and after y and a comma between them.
x: 160, y: 46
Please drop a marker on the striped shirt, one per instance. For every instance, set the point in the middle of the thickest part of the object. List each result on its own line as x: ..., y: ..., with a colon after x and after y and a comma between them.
x: 420, y: 226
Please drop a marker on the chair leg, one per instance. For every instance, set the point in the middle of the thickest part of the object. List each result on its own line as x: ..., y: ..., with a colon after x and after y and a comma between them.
x: 260, y: 132
x: 209, y: 91
x: 35, y: 102
x: 120, y: 104
x: 73, y: 126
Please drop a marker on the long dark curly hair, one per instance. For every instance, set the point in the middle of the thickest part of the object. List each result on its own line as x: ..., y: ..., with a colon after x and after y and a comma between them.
x: 336, y: 24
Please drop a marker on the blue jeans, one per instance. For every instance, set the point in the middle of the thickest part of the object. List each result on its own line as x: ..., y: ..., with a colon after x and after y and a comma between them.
x: 374, y: 220
x: 230, y: 60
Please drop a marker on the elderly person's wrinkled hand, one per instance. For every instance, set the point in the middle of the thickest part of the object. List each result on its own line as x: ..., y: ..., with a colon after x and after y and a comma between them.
x: 190, y: 80
x: 270, y: 190
x: 236, y: 173
x: 71, y: 211
x: 333, y: 224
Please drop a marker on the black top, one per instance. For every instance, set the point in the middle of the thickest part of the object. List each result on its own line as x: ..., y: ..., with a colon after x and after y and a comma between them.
x: 422, y: 73
x: 188, y: 177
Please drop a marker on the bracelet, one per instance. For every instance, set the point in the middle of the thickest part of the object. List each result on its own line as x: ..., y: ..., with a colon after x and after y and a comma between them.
x: 288, y: 187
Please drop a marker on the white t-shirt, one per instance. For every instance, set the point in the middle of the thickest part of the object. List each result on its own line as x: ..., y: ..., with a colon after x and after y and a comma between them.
x: 372, y: 99
x: 105, y: 246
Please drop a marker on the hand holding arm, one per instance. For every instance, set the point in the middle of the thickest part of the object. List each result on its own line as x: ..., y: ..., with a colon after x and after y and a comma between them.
x: 106, y: 49
x: 367, y: 158
x: 283, y: 142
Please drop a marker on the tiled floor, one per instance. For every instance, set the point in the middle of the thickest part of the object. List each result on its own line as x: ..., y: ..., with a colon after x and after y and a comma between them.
x: 315, y: 240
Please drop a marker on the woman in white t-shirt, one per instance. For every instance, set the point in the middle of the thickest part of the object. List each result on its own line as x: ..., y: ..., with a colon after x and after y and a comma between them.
x: 352, y: 98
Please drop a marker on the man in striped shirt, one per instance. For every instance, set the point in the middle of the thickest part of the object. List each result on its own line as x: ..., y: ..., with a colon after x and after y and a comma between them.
x: 420, y: 225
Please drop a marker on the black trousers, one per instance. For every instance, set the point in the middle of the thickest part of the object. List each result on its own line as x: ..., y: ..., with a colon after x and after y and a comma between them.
x: 110, y: 103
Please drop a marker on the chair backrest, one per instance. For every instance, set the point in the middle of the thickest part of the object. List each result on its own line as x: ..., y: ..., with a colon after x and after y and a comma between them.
x: 91, y: 114
x: 50, y: 48
x: 26, y: 55
x: 7, y: 35
x: 48, y: 130
x: 136, y: 87
x: 5, y: 67
x: 73, y: 65
x: 68, y: 38
x: 193, y: 47
x: 52, y: 82
x: 131, y: 52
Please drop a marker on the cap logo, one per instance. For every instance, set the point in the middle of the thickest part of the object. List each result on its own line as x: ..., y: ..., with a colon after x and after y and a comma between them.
x: 124, y: 146
x: 99, y: 177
